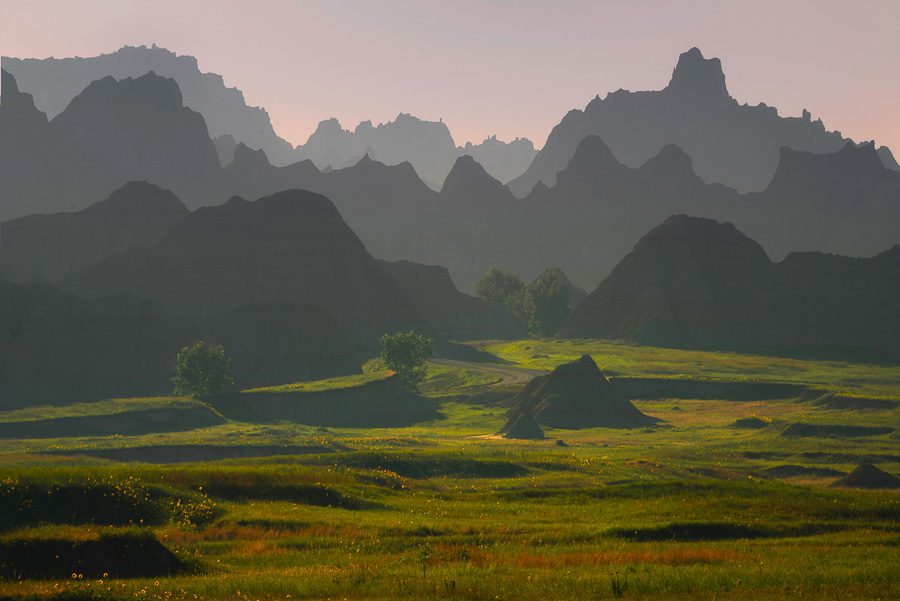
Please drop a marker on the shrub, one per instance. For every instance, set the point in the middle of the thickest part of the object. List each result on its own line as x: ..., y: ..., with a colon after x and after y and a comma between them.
x: 406, y: 353
x: 202, y: 370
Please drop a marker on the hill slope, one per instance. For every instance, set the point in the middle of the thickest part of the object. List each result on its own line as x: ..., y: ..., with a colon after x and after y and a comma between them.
x: 693, y: 282
x: 292, y: 245
x: 50, y: 247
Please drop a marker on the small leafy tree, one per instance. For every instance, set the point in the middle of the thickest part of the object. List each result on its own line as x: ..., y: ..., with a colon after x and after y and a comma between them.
x: 406, y: 353
x: 499, y: 286
x: 202, y: 370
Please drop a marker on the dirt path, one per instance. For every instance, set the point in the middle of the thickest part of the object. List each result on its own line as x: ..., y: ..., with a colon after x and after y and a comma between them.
x: 508, y: 375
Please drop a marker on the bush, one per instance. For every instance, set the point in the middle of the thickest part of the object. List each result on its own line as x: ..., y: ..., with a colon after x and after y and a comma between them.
x: 202, y: 370
x: 406, y: 353
x: 499, y: 286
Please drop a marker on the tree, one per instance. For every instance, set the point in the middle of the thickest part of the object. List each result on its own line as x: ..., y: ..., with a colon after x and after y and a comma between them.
x: 542, y: 306
x: 547, y: 303
x: 202, y: 370
x: 499, y: 286
x: 406, y: 353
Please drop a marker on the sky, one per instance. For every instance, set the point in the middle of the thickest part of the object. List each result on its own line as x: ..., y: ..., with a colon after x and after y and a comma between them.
x: 510, y: 68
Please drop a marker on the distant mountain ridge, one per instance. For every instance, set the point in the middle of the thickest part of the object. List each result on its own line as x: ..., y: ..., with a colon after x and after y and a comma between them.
x: 113, y: 132
x: 56, y: 81
x: 730, y: 143
x: 139, y: 129
x: 428, y: 145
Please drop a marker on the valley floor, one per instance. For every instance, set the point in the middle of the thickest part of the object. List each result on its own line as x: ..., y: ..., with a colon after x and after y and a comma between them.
x: 445, y: 509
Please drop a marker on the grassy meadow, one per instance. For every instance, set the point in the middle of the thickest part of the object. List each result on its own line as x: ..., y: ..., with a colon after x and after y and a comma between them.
x: 693, y: 508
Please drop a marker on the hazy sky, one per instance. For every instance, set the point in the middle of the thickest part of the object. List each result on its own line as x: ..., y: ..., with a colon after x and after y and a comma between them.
x: 507, y: 68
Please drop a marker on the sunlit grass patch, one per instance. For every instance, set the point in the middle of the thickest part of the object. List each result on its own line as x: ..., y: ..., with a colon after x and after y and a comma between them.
x: 337, y: 383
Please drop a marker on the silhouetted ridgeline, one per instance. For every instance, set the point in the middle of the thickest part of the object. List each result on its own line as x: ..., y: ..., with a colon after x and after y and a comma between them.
x: 111, y: 133
x: 730, y: 143
x: 56, y: 81
x: 428, y: 145
x: 51, y: 247
x: 583, y: 224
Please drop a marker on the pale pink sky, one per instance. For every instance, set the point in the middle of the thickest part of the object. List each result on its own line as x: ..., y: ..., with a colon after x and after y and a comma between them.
x: 511, y: 68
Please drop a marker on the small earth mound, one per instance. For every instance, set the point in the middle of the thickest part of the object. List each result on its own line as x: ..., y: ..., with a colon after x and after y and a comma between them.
x: 750, y: 423
x: 112, y: 555
x: 523, y: 427
x: 829, y: 400
x: 576, y: 395
x: 799, y: 471
x: 867, y: 475
x: 833, y: 431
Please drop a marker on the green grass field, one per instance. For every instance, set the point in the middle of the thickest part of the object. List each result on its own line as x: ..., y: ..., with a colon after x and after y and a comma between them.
x: 448, y: 510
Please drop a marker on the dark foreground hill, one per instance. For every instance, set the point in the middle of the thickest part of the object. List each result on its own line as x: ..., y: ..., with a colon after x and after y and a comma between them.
x: 574, y: 395
x: 51, y: 247
x: 56, y: 348
x: 454, y: 315
x: 693, y: 282
x: 292, y: 245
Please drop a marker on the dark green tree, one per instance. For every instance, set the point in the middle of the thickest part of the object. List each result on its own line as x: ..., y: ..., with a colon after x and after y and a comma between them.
x: 546, y: 303
x: 406, y: 353
x: 202, y: 370
x: 499, y: 286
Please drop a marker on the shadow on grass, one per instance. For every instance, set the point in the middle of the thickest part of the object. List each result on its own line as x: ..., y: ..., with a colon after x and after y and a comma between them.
x: 428, y: 466
x: 116, y: 555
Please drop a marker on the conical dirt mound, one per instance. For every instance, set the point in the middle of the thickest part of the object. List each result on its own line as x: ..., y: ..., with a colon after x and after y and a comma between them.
x: 523, y: 427
x: 867, y: 475
x: 576, y: 395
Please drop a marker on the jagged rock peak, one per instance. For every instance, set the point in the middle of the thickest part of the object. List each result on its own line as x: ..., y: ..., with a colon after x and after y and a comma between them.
x: 592, y: 152
x: 469, y: 171
x: 469, y: 180
x: 864, y: 155
x: 8, y: 82
x: 18, y: 106
x: 670, y: 160
x: 367, y: 160
x: 698, y: 76
x: 244, y: 155
x: 329, y: 126
x: 797, y: 168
